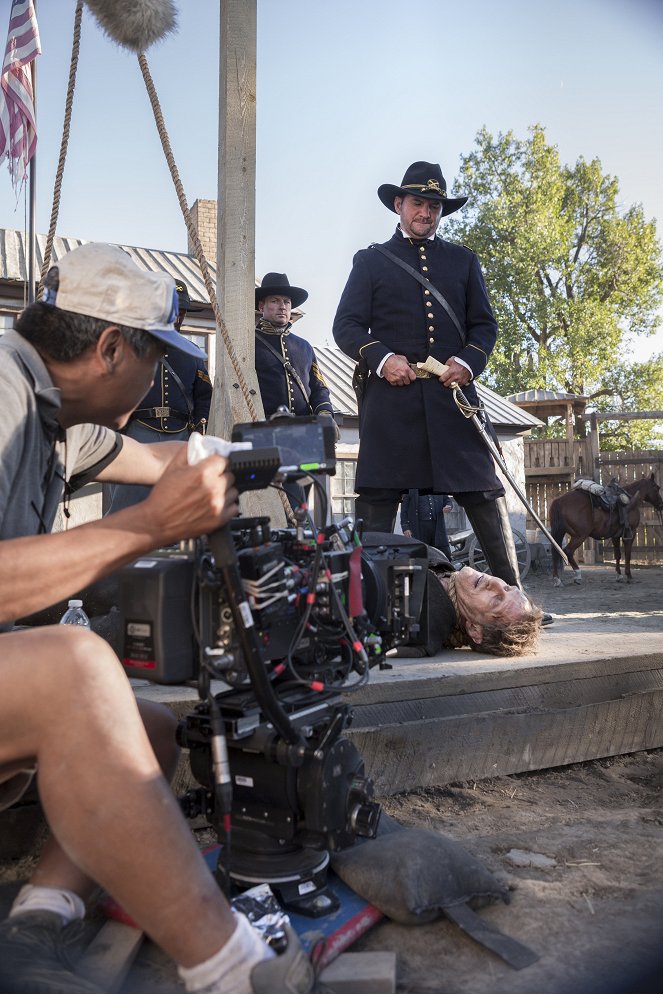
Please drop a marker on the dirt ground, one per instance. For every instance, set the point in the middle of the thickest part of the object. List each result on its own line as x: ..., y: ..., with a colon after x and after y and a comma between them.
x: 586, y: 896
x: 592, y: 907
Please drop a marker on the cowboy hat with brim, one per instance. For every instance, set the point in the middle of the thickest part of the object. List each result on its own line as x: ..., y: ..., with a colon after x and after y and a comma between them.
x: 424, y: 180
x: 277, y: 285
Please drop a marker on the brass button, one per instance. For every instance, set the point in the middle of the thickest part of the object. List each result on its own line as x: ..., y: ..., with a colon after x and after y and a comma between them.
x: 431, y: 340
x: 431, y: 327
x: 427, y: 293
x: 425, y: 268
x: 421, y: 248
x: 430, y: 316
x: 423, y: 257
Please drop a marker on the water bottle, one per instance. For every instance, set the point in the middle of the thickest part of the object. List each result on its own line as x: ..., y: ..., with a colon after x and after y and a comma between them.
x: 75, y: 615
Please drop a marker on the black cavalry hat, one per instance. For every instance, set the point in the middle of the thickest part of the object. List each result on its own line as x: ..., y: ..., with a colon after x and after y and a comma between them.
x: 185, y: 302
x: 422, y: 179
x: 277, y: 285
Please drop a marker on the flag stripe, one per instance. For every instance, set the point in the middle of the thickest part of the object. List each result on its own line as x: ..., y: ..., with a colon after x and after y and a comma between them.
x: 18, y: 133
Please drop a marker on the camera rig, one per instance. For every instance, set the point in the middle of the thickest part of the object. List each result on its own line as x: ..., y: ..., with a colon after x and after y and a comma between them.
x: 291, y: 620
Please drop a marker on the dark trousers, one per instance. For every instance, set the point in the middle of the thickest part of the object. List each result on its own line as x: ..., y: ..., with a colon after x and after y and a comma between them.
x: 486, y: 510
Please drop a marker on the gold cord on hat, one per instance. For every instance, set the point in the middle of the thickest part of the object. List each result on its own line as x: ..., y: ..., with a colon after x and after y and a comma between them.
x: 431, y: 184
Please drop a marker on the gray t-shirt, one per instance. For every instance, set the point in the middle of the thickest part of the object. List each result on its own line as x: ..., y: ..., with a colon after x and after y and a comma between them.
x: 39, y: 461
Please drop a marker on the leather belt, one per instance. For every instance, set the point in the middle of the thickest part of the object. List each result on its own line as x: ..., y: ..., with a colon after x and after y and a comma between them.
x: 160, y: 412
x: 422, y: 374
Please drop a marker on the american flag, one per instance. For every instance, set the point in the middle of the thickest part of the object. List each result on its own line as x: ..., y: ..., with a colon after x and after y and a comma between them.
x: 18, y: 133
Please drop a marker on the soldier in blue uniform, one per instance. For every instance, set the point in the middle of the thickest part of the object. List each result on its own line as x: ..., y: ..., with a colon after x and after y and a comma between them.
x: 422, y: 517
x: 177, y: 404
x: 288, y: 371
x: 411, y: 434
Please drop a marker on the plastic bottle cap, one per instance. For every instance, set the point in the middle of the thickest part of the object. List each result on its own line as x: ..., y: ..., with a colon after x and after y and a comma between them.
x: 75, y: 603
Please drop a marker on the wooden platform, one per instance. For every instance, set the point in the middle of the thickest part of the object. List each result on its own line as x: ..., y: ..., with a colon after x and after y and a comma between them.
x: 463, y: 716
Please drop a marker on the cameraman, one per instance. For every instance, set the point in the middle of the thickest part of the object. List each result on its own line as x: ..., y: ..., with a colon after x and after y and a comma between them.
x: 71, y: 373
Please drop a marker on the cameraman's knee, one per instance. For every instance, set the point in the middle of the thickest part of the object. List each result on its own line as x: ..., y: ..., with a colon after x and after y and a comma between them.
x: 81, y: 660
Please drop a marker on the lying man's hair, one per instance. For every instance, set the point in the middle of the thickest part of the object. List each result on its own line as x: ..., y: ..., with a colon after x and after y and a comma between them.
x: 63, y: 335
x: 520, y: 638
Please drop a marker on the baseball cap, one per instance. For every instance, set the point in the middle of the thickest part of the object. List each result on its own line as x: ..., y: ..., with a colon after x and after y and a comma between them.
x: 102, y: 281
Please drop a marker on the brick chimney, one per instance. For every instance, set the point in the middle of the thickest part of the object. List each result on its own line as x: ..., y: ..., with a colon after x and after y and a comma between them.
x: 203, y: 213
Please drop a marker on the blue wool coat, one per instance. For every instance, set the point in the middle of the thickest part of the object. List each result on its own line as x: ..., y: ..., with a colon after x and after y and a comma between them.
x: 194, y: 393
x: 277, y: 386
x: 414, y: 437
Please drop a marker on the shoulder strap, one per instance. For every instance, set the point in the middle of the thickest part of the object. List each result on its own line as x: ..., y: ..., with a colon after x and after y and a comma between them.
x: 289, y: 368
x: 429, y: 286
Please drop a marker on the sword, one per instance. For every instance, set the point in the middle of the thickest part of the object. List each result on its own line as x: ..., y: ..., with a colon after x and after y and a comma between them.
x: 472, y: 414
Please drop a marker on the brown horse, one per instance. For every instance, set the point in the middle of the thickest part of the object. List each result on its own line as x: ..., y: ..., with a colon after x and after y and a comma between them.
x: 573, y: 514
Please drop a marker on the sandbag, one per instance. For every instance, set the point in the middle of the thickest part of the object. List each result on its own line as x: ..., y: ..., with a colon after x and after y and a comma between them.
x: 413, y: 874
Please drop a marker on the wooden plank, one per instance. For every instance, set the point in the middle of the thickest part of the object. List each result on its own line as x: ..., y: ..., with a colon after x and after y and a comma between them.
x: 550, y: 471
x: 362, y: 973
x: 108, y: 958
x: 631, y: 416
x: 474, y: 747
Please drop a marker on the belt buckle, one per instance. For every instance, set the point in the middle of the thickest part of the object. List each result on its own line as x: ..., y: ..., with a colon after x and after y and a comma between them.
x: 161, y: 412
x: 421, y: 374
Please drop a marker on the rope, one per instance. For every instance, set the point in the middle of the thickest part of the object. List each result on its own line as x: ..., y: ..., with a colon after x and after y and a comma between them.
x: 63, y: 146
x: 198, y: 252
x: 193, y: 235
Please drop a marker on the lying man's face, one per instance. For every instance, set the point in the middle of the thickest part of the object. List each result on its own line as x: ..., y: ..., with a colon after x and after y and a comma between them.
x: 485, y: 599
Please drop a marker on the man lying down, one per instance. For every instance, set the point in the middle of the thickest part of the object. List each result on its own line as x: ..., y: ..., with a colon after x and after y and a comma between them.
x: 468, y: 608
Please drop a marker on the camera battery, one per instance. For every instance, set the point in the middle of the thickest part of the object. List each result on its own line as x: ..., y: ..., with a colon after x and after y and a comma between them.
x: 155, y: 613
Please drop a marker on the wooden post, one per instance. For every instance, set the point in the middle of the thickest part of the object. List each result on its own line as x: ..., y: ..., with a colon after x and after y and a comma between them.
x: 235, y: 283
x: 591, y: 546
x: 569, y: 422
x: 594, y: 446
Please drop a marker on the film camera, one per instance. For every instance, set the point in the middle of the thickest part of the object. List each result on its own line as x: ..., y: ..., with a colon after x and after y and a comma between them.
x: 291, y: 620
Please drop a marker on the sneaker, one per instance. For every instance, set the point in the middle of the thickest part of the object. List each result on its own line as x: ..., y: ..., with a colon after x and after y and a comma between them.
x: 291, y: 972
x: 35, y: 955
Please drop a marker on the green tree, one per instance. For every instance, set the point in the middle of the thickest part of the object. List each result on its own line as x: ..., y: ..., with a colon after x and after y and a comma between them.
x: 637, y: 387
x: 572, y: 275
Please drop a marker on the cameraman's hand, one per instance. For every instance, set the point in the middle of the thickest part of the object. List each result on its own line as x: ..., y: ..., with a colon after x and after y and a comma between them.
x: 189, y: 501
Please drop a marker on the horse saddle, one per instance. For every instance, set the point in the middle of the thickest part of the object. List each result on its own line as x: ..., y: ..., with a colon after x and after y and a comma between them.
x: 605, y: 497
x: 612, y: 498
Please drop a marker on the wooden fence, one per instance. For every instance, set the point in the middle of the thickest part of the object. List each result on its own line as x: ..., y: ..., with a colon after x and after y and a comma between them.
x: 551, y: 466
x: 626, y: 467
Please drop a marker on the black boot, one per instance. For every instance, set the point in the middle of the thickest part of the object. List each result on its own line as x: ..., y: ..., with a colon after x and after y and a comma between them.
x: 378, y: 515
x: 491, y: 525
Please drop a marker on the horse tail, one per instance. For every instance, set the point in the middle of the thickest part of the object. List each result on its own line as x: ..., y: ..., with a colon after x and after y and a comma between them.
x: 557, y: 530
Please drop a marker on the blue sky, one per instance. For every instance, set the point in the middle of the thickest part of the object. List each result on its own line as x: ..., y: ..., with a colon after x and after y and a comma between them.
x: 349, y: 93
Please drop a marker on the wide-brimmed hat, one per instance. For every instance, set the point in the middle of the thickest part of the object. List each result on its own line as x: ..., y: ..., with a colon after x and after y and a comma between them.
x: 277, y: 285
x: 422, y: 179
x: 102, y: 281
x: 185, y: 301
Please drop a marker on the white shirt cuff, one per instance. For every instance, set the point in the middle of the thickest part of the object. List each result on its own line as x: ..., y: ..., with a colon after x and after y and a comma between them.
x: 461, y: 361
x: 379, y: 369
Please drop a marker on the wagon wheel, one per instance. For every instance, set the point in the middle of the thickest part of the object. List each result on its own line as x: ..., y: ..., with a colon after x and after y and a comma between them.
x: 523, y: 553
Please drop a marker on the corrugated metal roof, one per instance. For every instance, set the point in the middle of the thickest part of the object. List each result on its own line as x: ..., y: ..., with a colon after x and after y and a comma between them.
x: 179, y: 265
x: 534, y: 396
x: 337, y: 369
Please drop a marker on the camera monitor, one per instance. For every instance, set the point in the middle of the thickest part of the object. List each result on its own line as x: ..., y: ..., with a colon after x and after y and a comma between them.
x: 306, y: 444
